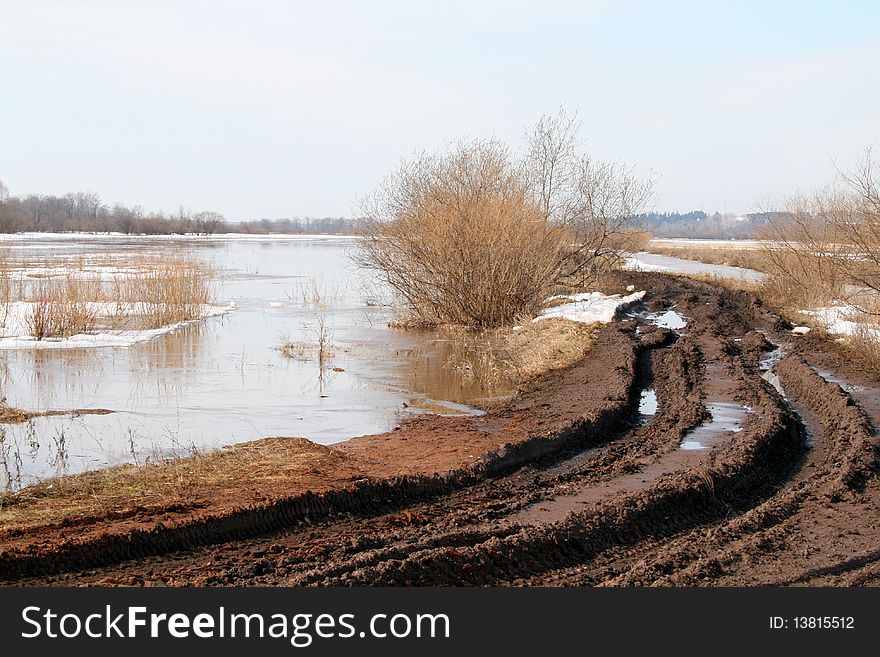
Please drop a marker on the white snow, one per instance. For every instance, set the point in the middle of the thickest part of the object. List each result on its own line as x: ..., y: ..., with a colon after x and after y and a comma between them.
x: 838, y: 320
x: 590, y: 307
x: 800, y: 330
x: 14, y: 333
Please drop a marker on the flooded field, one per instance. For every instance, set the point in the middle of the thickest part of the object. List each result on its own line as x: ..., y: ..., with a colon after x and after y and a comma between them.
x: 644, y: 261
x: 224, y: 380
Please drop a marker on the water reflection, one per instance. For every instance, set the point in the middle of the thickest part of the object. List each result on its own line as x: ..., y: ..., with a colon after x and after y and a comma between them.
x: 225, y: 380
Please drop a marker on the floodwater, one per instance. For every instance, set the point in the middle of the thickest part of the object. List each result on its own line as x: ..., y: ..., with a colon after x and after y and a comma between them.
x: 661, y: 263
x: 223, y: 380
x: 725, y: 417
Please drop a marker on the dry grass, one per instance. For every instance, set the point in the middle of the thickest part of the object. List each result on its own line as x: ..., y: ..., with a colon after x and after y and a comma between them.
x: 509, y: 357
x: 150, y: 292
x: 551, y: 344
x: 320, y: 348
x: 13, y: 415
x: 864, y: 347
x: 295, y: 350
x: 61, y: 308
x: 167, y: 291
x: 266, y: 465
x: 317, y: 292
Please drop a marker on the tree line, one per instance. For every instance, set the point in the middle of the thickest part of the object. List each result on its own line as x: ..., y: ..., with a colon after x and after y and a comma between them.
x: 87, y: 212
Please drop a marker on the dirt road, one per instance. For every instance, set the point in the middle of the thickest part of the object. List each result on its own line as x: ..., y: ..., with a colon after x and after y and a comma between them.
x: 756, y: 465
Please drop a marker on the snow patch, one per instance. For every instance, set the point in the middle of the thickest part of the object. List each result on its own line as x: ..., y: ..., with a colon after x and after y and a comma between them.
x: 838, y: 320
x: 590, y: 307
x: 14, y: 333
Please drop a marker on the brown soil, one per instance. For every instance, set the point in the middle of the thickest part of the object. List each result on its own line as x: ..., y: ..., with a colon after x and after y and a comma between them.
x: 564, y: 485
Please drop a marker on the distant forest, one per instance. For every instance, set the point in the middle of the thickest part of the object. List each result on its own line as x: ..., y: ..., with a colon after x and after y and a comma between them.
x: 86, y: 212
x: 699, y: 224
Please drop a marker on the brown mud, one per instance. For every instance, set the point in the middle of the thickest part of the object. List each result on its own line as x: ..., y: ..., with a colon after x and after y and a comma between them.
x: 566, y: 484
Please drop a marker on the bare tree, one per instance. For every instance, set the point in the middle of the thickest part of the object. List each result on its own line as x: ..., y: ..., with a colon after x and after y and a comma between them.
x: 598, y: 203
x: 207, y: 223
x: 824, y: 246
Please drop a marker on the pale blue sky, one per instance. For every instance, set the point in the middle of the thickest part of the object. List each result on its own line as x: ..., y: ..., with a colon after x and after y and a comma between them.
x: 268, y: 109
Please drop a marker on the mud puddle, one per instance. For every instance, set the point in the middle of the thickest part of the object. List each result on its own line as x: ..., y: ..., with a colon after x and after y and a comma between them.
x: 726, y: 417
x: 831, y: 377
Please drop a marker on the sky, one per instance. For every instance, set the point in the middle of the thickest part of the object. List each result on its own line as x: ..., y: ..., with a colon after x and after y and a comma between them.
x: 270, y: 109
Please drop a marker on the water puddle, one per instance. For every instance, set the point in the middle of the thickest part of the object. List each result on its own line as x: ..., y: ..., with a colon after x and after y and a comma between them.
x: 648, y: 402
x: 769, y: 361
x: 833, y: 378
x: 726, y: 417
x: 662, y: 263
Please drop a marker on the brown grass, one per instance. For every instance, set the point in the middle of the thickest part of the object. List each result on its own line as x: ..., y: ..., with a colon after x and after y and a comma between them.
x: 126, y: 488
x: 13, y: 415
x: 320, y: 348
x: 61, y: 308
x: 317, y: 292
x: 151, y: 293
x: 167, y: 291
x: 551, y: 344
x: 506, y: 357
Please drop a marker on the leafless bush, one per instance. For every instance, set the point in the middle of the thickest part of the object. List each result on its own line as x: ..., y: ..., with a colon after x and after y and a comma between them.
x: 596, y: 202
x: 166, y: 291
x: 825, y: 246
x: 459, y: 240
x: 476, y: 237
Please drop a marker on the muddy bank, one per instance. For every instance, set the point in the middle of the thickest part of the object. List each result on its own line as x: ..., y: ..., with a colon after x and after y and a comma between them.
x: 568, y: 484
x: 427, y: 456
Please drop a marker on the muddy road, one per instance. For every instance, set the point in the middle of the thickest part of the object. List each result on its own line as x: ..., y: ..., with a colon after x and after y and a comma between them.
x: 699, y: 443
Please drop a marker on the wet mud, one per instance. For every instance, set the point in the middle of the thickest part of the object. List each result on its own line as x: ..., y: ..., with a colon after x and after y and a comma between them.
x: 575, y: 481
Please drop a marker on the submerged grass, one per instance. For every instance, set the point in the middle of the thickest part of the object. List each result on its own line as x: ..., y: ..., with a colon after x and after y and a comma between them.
x: 144, y: 292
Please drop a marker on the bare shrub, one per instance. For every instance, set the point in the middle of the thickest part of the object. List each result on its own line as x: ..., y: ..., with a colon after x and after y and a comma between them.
x: 597, y: 203
x: 167, y: 291
x: 476, y: 237
x: 61, y: 308
x: 825, y: 246
x: 458, y: 238
x: 320, y: 348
